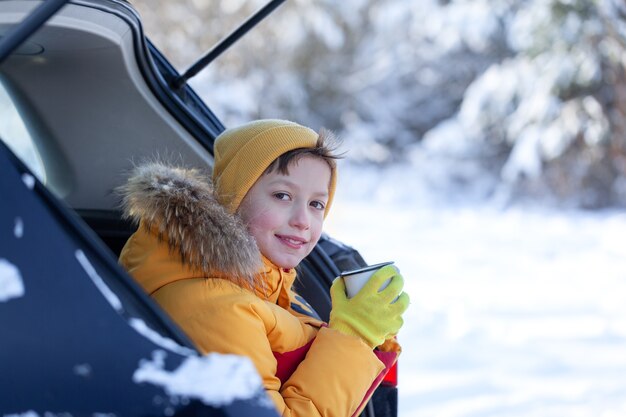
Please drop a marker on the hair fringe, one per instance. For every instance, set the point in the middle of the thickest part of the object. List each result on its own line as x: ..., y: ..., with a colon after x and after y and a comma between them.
x: 326, y: 148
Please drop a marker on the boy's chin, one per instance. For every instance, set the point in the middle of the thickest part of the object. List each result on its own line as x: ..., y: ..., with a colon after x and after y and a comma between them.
x: 286, y: 262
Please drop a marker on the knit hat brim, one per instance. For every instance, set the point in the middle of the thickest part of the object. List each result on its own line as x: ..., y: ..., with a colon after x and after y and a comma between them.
x: 242, y: 155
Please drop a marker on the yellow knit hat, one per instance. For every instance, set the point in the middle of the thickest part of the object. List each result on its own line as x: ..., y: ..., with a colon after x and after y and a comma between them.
x: 243, y: 153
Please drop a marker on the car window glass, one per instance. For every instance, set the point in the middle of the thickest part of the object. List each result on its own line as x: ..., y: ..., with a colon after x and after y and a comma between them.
x: 14, y: 134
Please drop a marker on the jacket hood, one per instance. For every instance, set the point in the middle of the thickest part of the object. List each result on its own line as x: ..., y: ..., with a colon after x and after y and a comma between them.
x: 179, y: 206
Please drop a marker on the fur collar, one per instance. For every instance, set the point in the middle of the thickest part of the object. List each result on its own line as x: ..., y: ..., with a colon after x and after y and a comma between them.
x: 180, y: 205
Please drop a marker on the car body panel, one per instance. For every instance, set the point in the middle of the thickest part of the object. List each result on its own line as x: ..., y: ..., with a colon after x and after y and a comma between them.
x: 80, y: 329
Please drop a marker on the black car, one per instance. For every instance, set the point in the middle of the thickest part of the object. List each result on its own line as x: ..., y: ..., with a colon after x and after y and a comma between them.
x: 83, y: 96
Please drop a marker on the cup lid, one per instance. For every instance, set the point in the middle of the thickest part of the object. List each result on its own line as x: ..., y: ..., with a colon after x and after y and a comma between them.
x: 365, y: 269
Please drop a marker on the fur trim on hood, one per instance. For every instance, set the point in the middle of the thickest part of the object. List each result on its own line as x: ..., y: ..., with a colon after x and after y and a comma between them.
x: 180, y: 205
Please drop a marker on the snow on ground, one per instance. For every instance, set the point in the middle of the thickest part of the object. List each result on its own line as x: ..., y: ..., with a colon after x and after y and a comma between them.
x: 514, y: 312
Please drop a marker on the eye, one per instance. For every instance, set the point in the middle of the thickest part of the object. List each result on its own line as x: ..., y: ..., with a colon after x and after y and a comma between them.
x: 317, y: 205
x: 282, y: 196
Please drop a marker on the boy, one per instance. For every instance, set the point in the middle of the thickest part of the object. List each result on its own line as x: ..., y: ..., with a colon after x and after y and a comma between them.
x: 220, y: 259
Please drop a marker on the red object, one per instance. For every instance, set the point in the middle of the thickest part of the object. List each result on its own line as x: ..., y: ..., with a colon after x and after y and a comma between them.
x: 391, y: 379
x: 387, y: 358
x: 286, y: 363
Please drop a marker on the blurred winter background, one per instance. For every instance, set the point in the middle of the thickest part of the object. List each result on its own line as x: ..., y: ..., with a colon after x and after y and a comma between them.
x: 486, y: 155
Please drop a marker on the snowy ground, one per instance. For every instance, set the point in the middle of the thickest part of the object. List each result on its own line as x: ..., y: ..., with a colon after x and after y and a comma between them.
x: 514, y: 312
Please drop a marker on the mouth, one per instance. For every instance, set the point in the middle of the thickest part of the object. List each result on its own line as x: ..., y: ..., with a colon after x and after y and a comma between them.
x: 293, y: 242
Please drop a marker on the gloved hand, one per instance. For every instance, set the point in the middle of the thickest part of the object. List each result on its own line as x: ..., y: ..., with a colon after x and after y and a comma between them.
x: 371, y: 315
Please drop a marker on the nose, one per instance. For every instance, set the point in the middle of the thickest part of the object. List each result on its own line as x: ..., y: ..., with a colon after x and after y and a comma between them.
x: 300, y: 217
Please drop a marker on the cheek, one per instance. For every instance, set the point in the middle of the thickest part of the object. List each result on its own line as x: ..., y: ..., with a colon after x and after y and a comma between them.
x: 261, y: 223
x: 254, y: 213
x: 316, y: 230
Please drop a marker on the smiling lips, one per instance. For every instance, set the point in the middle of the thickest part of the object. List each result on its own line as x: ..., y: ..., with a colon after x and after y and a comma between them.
x: 293, y: 242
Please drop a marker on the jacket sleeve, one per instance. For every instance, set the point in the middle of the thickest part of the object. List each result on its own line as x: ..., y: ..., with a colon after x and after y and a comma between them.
x: 331, y: 381
x: 334, y: 378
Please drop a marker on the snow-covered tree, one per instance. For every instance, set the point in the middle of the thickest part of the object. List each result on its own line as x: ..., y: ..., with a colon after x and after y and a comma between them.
x: 380, y: 72
x: 508, y: 97
x: 551, y: 120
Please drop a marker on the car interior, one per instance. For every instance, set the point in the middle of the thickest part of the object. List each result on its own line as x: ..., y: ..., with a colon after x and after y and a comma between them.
x: 91, y: 116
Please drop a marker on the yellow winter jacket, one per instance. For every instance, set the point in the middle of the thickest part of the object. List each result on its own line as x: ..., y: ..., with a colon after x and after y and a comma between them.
x: 307, y: 368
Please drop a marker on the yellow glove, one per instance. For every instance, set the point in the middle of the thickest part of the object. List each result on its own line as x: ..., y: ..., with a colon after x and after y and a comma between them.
x: 371, y: 315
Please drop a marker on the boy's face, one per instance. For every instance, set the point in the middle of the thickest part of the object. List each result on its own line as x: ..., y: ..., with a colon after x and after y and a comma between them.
x: 285, y: 213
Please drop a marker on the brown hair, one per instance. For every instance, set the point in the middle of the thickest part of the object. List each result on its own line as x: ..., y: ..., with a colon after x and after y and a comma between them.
x: 325, y: 149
